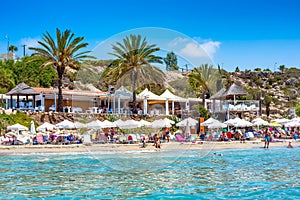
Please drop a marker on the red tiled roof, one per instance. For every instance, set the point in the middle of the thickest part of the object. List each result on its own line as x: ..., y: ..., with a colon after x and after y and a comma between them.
x: 70, y: 92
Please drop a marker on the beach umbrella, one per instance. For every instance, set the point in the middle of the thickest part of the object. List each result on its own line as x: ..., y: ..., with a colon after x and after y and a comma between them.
x: 188, y: 121
x: 281, y: 121
x: 296, y: 119
x: 216, y: 124
x: 94, y: 124
x: 275, y: 124
x: 107, y: 124
x: 17, y: 127
x: 66, y: 124
x: 209, y: 121
x: 80, y: 125
x: 260, y: 122
x: 187, y: 130
x: 238, y: 122
x: 128, y: 124
x: 32, y: 128
x: 169, y: 121
x: 292, y: 124
x: 144, y: 123
x: 11, y: 134
x: 161, y: 123
x: 244, y: 123
x: 45, y: 126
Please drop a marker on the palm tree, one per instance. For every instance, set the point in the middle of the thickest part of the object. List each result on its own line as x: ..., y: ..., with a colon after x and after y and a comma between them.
x: 62, y: 54
x: 204, y: 80
x: 282, y: 68
x: 133, y: 63
x: 12, y: 48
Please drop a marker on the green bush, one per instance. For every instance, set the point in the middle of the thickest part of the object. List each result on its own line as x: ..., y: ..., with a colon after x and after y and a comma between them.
x: 297, y: 109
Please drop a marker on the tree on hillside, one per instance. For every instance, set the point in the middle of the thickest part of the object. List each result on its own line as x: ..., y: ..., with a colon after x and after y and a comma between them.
x: 6, y: 83
x: 257, y: 69
x: 267, y: 101
x: 134, y: 57
x: 282, y: 68
x: 171, y: 62
x: 63, y: 55
x: 203, y: 80
x: 237, y: 69
x: 297, y: 109
x: 225, y: 78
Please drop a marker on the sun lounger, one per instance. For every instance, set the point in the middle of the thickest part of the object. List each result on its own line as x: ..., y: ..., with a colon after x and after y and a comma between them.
x: 179, y: 138
x: 40, y: 139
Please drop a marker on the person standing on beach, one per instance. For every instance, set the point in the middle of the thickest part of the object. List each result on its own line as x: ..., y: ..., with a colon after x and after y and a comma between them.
x: 157, y: 141
x: 267, y: 138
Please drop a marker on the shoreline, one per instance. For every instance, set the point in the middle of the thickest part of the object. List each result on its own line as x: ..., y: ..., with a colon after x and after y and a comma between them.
x: 129, y: 148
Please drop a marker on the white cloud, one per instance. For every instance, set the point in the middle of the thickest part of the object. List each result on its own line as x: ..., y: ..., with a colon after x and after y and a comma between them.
x: 211, y: 47
x: 196, y: 47
x: 30, y: 42
x: 207, y: 49
x: 178, y: 41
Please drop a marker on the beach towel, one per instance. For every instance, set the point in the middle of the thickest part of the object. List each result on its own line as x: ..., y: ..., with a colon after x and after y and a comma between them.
x: 40, y: 139
x: 179, y: 138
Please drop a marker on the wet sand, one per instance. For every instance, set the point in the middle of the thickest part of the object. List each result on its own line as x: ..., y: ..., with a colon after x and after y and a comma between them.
x: 123, y: 148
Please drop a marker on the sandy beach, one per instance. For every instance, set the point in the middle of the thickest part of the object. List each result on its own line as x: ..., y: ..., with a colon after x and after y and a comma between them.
x: 123, y: 148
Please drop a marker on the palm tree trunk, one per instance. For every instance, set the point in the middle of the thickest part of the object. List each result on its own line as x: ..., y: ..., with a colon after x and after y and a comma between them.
x: 268, y: 109
x: 203, y: 97
x: 134, y: 78
x: 60, y: 95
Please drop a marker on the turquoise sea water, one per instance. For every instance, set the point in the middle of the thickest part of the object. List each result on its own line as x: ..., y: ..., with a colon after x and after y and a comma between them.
x: 238, y: 174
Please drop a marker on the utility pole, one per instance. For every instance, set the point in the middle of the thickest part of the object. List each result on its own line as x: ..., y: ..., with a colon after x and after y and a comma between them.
x: 24, y: 50
x: 275, y: 66
x: 7, y: 37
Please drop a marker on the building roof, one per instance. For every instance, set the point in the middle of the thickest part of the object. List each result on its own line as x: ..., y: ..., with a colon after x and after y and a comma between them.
x: 22, y: 89
x: 146, y: 94
x: 234, y: 90
x: 70, y: 92
x: 122, y: 92
x: 169, y: 95
x: 219, y: 94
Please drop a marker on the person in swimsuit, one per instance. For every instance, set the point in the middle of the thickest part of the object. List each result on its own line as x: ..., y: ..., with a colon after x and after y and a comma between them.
x: 267, y: 139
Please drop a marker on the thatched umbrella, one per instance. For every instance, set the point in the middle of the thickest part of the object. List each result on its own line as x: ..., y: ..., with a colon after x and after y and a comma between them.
x: 22, y: 90
x: 233, y: 91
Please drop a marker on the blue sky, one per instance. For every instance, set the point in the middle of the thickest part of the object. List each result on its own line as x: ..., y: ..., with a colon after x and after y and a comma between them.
x: 243, y: 33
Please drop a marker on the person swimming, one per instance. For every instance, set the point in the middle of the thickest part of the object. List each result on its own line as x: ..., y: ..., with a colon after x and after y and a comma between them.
x: 218, y: 154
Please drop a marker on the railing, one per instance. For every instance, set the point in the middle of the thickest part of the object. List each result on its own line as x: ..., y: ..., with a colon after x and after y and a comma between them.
x: 231, y: 105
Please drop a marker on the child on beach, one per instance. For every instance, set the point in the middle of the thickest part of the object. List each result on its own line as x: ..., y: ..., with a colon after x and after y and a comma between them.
x: 290, y: 145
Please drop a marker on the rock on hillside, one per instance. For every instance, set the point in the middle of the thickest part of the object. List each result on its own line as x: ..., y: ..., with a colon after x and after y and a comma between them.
x: 283, y: 87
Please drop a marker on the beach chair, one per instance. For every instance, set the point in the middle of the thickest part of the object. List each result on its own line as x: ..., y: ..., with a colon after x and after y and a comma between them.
x: 130, y: 139
x: 40, y: 139
x: 122, y: 140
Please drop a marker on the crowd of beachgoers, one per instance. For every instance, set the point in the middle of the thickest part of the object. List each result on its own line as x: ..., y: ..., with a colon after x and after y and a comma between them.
x: 163, y: 135
x: 158, y: 131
